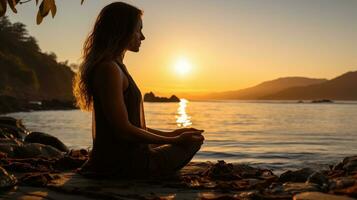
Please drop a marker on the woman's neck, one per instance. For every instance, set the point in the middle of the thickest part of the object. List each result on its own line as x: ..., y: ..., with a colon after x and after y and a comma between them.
x: 120, y: 57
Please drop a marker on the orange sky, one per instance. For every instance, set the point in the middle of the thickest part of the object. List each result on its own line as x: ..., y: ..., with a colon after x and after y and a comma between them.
x: 228, y: 44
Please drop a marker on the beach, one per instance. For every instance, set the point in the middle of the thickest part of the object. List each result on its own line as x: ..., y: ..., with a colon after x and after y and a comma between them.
x: 48, y: 171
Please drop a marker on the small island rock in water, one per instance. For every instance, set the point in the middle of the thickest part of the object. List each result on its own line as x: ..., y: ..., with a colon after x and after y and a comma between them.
x: 150, y: 97
x: 322, y: 101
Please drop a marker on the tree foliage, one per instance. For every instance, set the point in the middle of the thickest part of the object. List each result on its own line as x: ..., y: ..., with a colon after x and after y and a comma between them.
x: 45, y: 8
x: 28, y: 73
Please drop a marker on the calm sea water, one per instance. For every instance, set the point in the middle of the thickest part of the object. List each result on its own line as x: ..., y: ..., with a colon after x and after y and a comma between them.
x: 277, y: 135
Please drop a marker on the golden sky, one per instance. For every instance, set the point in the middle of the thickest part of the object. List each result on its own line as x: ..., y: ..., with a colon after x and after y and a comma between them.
x: 225, y: 45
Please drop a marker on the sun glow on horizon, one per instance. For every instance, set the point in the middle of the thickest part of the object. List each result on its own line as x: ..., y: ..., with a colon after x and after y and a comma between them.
x: 182, y: 66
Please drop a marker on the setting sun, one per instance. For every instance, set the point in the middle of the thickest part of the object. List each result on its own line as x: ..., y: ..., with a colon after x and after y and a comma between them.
x: 182, y: 66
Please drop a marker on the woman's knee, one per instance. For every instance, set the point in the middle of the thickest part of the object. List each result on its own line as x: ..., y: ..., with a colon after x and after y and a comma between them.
x: 193, y: 147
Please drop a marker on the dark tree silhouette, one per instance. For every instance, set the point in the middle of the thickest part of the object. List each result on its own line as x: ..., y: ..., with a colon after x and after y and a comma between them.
x: 45, y: 8
x: 28, y: 73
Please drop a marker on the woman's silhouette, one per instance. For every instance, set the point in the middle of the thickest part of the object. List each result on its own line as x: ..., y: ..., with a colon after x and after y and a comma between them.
x: 121, y: 140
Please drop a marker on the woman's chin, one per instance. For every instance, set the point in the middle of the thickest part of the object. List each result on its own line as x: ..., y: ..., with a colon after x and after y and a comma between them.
x: 135, y: 49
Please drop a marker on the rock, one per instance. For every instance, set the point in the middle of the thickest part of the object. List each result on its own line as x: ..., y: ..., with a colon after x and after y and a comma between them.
x: 319, y: 196
x: 249, y: 194
x: 322, y: 101
x: 43, y: 138
x: 318, y: 178
x: 342, y: 182
x: 338, y: 166
x: 13, y: 141
x: 36, y: 180
x: 294, y: 188
x: 69, y: 163
x: 21, y: 167
x: 350, y: 191
x: 11, y: 126
x: 221, y: 171
x: 150, y: 97
x: 32, y: 150
x: 300, y: 175
x: 8, y: 149
x: 350, y: 164
x: 6, y: 180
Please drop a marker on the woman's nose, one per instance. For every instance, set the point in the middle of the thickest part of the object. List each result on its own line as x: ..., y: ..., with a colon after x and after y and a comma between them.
x: 142, y: 37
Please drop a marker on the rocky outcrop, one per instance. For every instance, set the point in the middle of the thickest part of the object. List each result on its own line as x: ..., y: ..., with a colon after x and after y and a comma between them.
x: 150, y: 97
x: 322, y: 101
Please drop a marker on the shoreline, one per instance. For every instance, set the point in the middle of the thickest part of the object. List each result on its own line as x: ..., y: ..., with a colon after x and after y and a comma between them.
x: 38, y: 165
x: 9, y: 104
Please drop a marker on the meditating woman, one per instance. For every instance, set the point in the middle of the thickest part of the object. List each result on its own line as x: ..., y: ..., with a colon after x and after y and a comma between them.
x: 122, y: 144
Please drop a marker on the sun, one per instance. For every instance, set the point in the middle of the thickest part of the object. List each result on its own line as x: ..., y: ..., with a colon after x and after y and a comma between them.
x: 182, y: 66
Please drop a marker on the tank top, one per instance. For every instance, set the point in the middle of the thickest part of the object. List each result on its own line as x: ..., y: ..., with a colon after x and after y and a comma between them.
x: 111, y: 155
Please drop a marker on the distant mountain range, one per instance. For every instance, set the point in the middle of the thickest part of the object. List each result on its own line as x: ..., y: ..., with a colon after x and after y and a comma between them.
x: 343, y: 87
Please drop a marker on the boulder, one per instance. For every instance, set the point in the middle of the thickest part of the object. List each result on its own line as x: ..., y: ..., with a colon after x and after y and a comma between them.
x: 6, y: 180
x: 10, y: 126
x: 350, y: 164
x: 318, y: 178
x: 221, y: 171
x: 44, y: 138
x: 342, y: 182
x: 33, y: 150
x: 8, y: 149
x: 300, y: 175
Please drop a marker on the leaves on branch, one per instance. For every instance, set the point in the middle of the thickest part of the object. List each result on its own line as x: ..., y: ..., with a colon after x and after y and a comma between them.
x: 45, y: 7
x: 3, y: 6
x: 12, y: 4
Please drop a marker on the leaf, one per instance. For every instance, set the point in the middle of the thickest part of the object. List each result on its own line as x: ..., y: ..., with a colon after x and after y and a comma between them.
x: 53, y: 8
x: 82, y: 2
x: 45, y: 7
x: 12, y: 4
x: 39, y: 17
x: 3, y: 6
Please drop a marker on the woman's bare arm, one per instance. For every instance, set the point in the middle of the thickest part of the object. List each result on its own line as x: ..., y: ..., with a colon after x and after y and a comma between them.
x: 174, y: 133
x: 162, y: 133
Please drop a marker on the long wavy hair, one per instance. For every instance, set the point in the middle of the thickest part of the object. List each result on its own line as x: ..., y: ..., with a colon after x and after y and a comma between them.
x: 109, y: 38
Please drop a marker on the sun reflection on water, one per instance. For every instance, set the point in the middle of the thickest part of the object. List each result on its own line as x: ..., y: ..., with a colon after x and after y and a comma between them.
x: 182, y: 119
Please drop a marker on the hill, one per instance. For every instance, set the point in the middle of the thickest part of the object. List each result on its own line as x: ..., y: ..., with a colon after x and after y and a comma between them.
x: 343, y: 87
x: 263, y: 89
x: 26, y: 72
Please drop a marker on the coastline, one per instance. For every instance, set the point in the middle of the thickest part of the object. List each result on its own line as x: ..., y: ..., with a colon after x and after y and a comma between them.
x: 47, y: 170
x: 9, y: 104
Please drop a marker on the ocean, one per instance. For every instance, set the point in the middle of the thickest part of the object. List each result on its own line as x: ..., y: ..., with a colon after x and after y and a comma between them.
x: 279, y: 135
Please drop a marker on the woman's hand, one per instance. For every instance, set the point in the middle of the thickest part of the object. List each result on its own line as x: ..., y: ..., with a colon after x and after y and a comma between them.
x: 178, y: 132
x: 189, y: 137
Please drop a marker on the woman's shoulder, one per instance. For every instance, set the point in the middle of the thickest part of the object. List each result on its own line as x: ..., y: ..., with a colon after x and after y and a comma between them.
x: 106, y: 71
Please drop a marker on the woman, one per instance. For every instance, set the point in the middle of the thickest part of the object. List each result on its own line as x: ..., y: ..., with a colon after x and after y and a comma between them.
x: 103, y: 85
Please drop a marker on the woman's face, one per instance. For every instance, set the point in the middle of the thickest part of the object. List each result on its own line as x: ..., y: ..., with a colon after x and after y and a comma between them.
x: 138, y: 36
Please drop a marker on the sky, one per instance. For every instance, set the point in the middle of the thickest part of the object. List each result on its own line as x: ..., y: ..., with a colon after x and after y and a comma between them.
x: 195, y: 46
